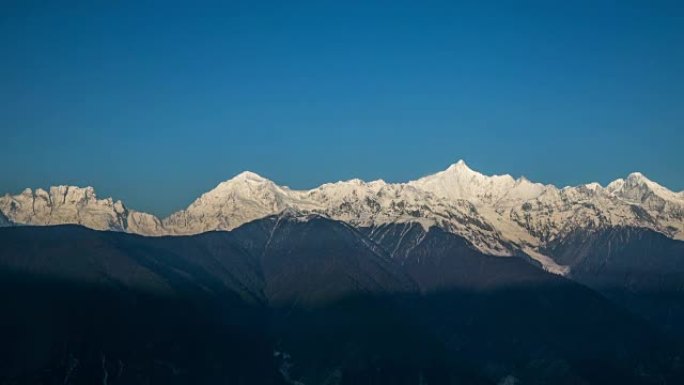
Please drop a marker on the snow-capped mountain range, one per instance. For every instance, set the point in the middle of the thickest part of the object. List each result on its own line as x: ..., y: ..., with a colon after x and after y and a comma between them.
x: 498, y: 215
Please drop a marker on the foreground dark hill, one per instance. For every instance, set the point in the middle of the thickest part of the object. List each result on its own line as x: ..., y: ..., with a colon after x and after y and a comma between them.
x: 83, y: 307
x: 303, y: 300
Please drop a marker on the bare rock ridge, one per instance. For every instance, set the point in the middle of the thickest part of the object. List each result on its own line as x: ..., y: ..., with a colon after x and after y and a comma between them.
x: 498, y: 215
x: 76, y: 205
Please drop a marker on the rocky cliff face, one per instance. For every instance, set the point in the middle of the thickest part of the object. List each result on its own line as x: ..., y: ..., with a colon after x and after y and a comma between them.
x: 76, y: 205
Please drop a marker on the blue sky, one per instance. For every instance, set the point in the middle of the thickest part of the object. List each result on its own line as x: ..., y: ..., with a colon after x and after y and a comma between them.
x: 156, y: 102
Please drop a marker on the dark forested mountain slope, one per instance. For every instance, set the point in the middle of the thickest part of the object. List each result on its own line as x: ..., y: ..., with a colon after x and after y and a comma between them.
x: 638, y: 268
x: 312, y: 259
x: 83, y: 307
x: 439, y: 260
x: 307, y: 300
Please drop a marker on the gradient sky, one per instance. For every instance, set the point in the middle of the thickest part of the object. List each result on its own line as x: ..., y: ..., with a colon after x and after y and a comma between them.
x: 154, y: 102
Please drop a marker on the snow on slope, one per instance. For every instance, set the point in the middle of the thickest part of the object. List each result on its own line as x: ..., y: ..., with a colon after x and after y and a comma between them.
x: 75, y: 205
x: 498, y: 214
x: 249, y: 196
x: 460, y: 182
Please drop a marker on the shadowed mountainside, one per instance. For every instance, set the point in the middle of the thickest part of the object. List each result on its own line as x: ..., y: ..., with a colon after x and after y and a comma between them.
x: 304, y: 300
x: 640, y: 269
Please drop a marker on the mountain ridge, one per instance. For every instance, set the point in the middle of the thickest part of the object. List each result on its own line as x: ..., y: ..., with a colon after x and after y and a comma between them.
x: 498, y: 214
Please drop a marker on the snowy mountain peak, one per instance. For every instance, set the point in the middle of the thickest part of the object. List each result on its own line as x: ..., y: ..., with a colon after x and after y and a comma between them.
x: 637, y: 176
x: 638, y: 188
x: 639, y: 180
x: 62, y: 205
x: 460, y: 166
x: 244, y: 184
x: 249, y: 176
x: 245, y: 197
x: 461, y: 182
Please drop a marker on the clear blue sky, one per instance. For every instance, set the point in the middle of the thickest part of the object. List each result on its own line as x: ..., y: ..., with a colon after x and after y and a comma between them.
x: 156, y: 102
